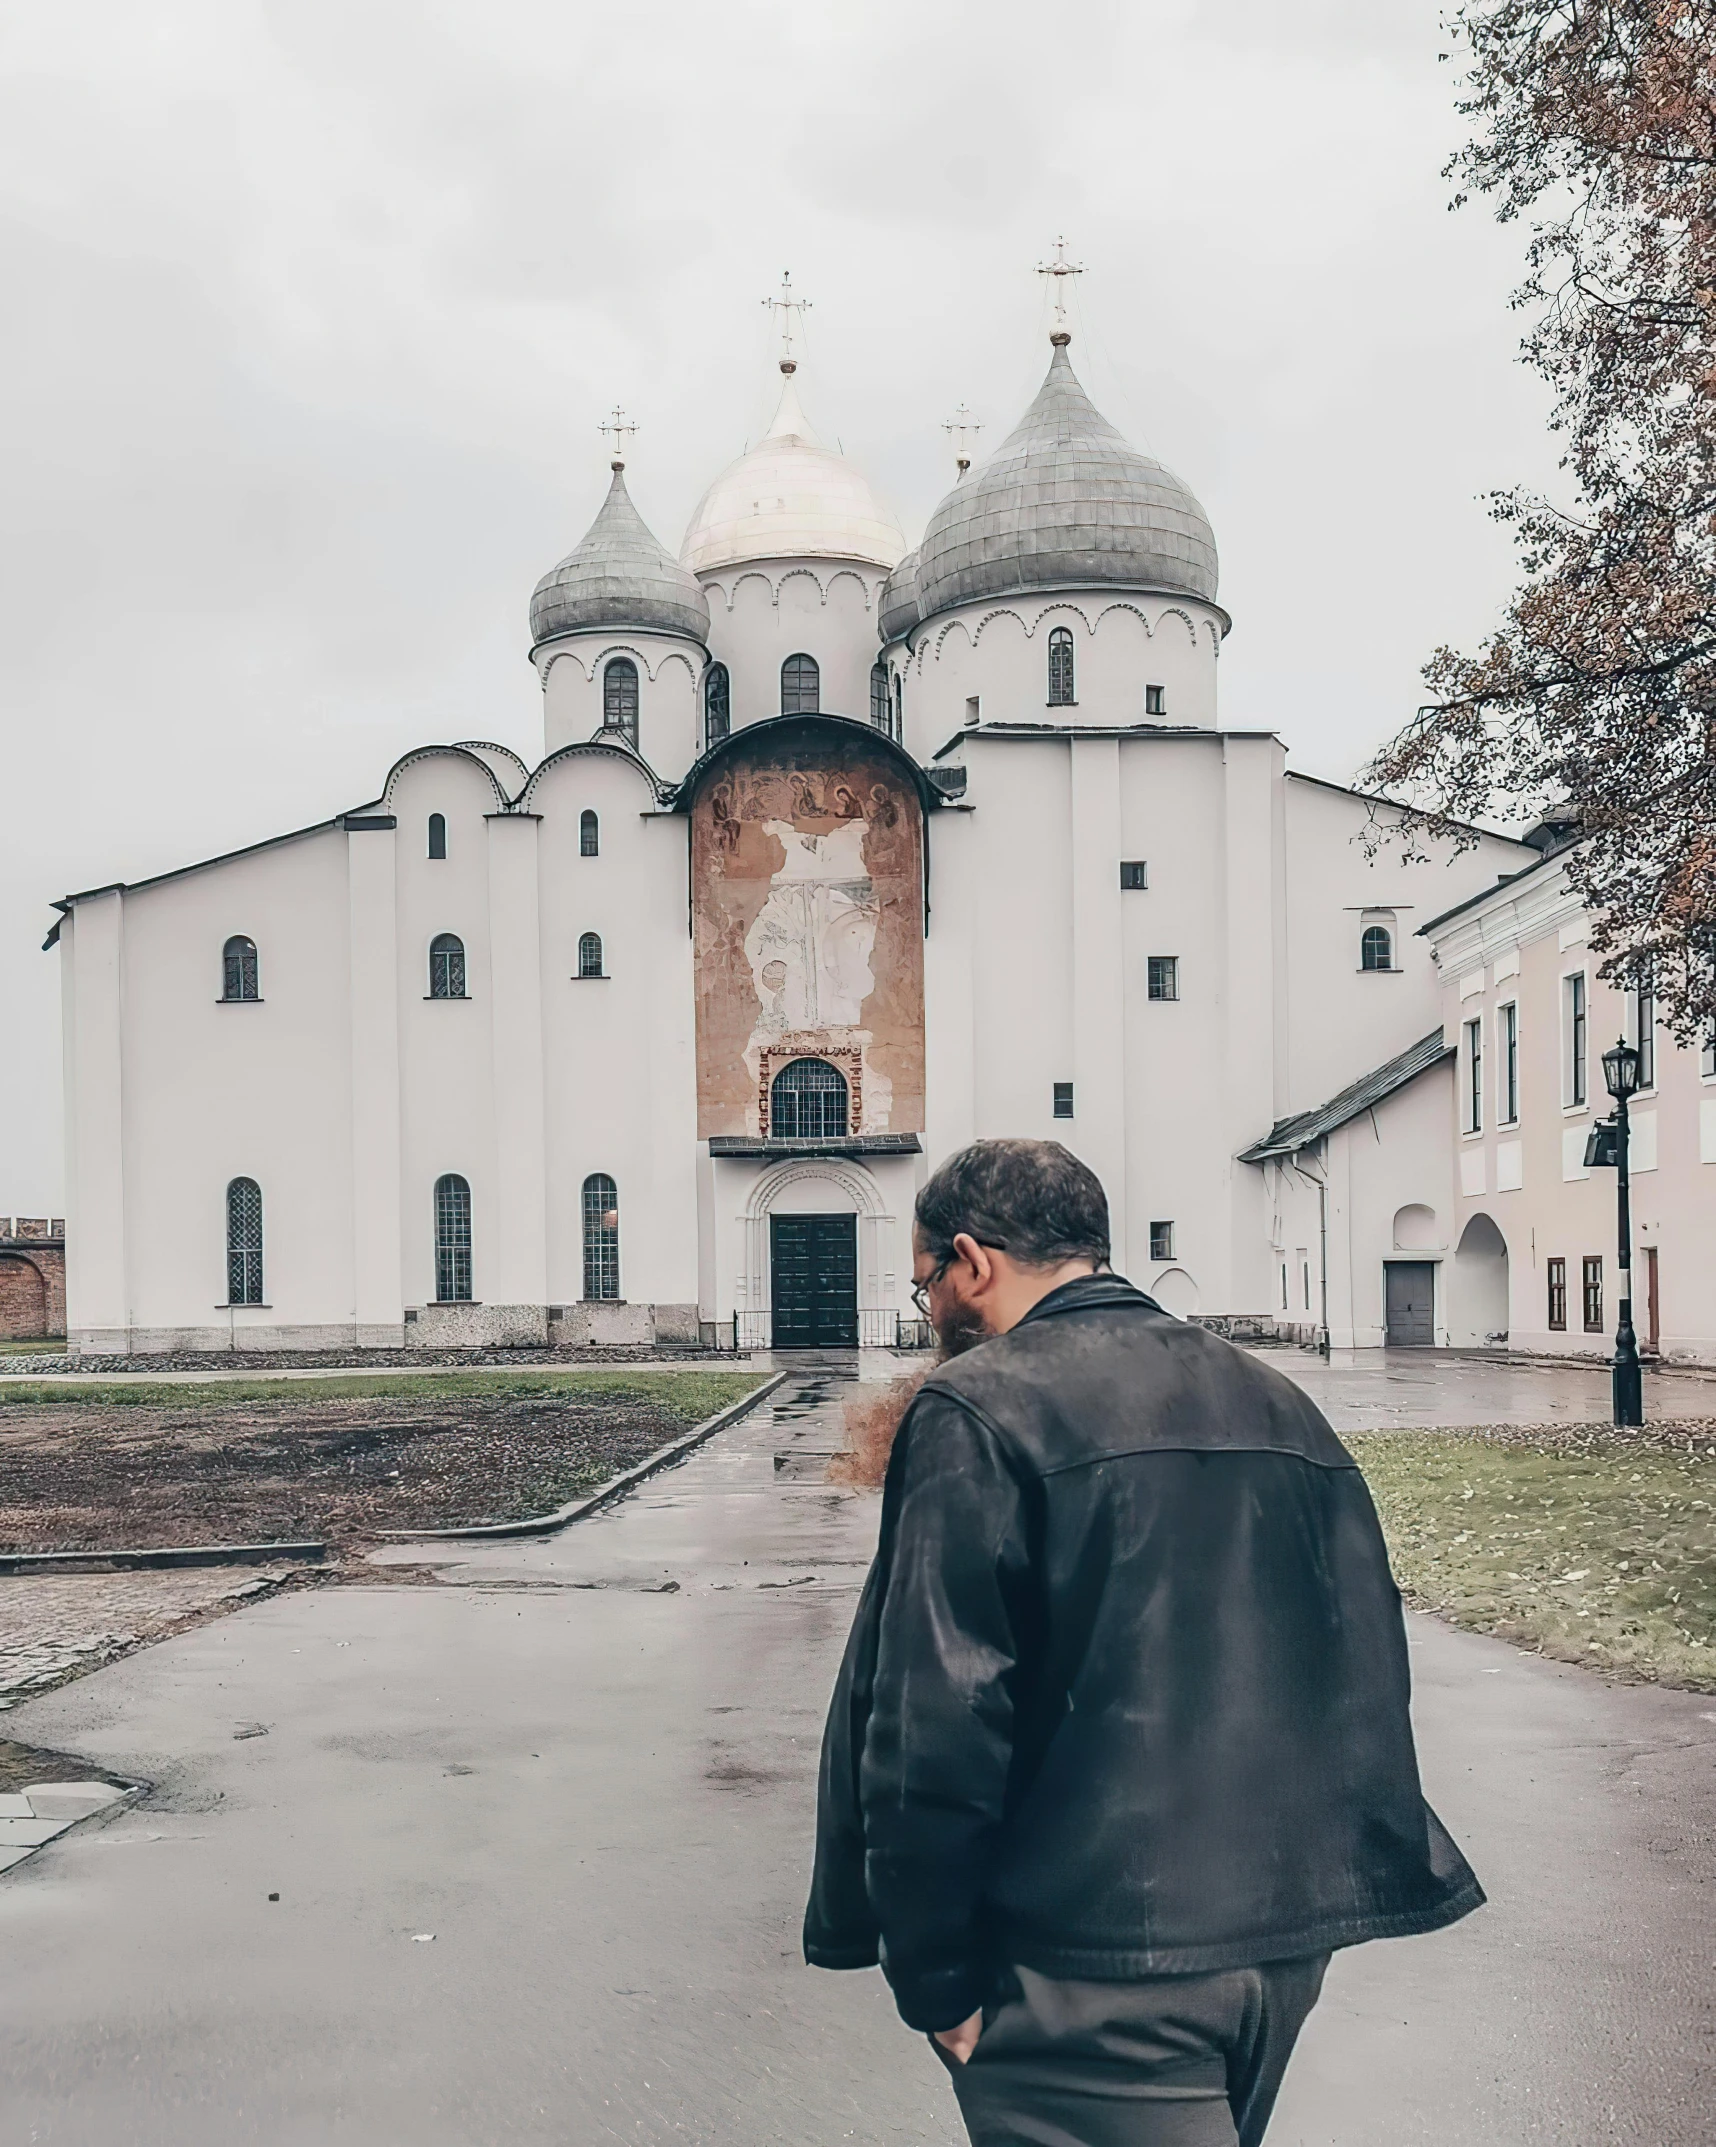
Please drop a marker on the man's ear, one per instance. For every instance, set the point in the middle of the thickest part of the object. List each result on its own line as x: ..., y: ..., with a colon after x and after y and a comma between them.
x: 977, y: 1258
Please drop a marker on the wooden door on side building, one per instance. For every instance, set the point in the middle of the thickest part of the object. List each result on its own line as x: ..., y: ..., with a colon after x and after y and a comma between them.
x: 1410, y: 1304
x: 813, y: 1262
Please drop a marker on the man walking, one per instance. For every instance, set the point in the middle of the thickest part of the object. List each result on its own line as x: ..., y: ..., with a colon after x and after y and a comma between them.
x: 1120, y: 1750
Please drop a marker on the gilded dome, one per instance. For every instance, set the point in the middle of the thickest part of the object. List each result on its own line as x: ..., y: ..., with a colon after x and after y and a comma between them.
x: 1065, y: 503
x: 790, y: 498
x: 619, y: 576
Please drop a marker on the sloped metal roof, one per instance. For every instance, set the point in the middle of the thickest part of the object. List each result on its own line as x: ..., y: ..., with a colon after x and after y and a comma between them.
x: 897, y: 606
x: 1290, y: 1134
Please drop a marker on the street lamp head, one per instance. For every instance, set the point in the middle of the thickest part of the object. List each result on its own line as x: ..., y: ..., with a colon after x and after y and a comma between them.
x: 1621, y: 1069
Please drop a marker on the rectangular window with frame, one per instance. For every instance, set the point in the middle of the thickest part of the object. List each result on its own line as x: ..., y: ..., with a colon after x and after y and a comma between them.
x: 1593, y: 1293
x: 1507, y: 1018
x: 1557, y: 1270
x: 1283, y: 1285
x: 1475, y: 1076
x: 1155, y: 701
x: 1642, y: 1008
x: 1164, y: 976
x: 1305, y: 1281
x: 1573, y: 1026
x: 1161, y: 1241
x: 1134, y: 874
x: 1063, y: 1099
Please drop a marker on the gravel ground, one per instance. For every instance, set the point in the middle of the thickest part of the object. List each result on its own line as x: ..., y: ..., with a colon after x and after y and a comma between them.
x: 87, y: 1474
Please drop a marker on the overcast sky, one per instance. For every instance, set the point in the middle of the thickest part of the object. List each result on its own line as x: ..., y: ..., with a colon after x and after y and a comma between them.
x: 312, y: 311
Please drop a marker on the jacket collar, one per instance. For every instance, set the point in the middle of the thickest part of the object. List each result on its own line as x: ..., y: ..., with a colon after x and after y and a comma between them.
x: 1088, y: 1293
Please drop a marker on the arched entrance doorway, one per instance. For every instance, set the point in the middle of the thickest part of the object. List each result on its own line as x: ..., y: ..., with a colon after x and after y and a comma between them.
x: 816, y: 1255
x: 1478, y: 1313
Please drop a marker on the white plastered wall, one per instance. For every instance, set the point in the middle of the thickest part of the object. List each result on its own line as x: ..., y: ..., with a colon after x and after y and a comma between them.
x: 764, y: 612
x: 670, y: 693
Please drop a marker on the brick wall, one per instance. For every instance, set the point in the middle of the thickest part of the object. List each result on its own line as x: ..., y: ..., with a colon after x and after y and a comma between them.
x: 32, y: 1277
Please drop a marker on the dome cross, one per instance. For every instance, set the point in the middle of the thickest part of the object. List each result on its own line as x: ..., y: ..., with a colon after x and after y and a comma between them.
x: 1060, y: 268
x: 787, y: 306
x: 621, y: 427
x: 962, y: 429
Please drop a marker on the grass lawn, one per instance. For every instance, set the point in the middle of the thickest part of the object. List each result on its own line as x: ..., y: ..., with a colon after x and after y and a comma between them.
x: 1587, y: 1544
x: 691, y: 1395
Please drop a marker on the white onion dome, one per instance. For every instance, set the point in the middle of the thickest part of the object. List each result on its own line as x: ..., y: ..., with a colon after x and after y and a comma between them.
x: 897, y: 606
x: 1065, y: 502
x: 790, y: 498
x: 619, y: 576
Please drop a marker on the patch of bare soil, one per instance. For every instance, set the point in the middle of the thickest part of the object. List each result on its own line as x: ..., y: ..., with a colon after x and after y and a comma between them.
x: 83, y: 1477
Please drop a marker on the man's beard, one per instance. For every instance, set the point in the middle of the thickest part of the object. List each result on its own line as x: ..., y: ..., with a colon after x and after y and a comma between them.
x: 959, y: 1330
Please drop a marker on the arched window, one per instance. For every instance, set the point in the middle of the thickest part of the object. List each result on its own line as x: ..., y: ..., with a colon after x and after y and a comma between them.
x: 590, y: 954
x: 238, y: 970
x: 1061, y: 668
x: 244, y: 1242
x: 589, y: 835
x: 620, y: 698
x: 601, y: 1238
x: 446, y: 967
x: 452, y: 1240
x: 1376, y: 947
x: 808, y: 1102
x: 900, y: 707
x: 717, y: 705
x: 880, y: 712
x: 801, y: 686
x: 437, y: 834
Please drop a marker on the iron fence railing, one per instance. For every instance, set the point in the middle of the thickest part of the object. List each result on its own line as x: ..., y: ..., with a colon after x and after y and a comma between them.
x: 879, y: 1327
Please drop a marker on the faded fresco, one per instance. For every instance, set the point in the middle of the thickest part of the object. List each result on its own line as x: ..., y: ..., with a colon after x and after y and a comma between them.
x: 807, y: 893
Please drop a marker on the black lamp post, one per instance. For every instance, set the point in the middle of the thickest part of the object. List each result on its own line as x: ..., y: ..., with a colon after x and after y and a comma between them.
x: 1608, y: 1144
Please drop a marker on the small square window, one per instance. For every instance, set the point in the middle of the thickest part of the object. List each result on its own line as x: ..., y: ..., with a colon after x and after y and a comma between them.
x: 1134, y: 873
x: 1164, y: 976
x: 1063, y: 1099
x: 1155, y: 701
x: 1161, y: 1241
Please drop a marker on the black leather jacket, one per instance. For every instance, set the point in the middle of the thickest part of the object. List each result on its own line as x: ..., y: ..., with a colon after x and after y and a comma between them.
x: 1126, y: 1694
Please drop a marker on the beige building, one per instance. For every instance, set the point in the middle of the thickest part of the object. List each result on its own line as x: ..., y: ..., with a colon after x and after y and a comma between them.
x: 1533, y: 1231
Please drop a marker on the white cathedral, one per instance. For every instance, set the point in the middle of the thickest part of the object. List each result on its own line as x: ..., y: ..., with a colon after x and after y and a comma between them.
x: 840, y: 855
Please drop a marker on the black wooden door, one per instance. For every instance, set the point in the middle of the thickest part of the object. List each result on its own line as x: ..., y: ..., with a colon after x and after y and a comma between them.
x: 814, y: 1262
x: 1411, y: 1307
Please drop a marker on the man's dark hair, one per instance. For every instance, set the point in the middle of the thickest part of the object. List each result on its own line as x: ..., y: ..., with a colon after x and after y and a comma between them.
x: 1033, y: 1199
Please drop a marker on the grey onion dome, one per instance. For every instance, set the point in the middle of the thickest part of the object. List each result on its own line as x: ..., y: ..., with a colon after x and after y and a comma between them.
x: 619, y: 576
x: 1065, y: 502
x: 897, y: 606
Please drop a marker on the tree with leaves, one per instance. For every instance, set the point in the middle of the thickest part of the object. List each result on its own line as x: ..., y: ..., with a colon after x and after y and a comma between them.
x: 1595, y: 702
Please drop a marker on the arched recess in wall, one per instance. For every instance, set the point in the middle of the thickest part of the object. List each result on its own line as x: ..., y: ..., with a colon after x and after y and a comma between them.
x: 1416, y: 1228
x: 1176, y: 1292
x: 1478, y: 1311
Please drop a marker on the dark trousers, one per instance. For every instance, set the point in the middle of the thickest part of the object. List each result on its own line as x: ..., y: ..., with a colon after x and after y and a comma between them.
x: 1173, y: 2061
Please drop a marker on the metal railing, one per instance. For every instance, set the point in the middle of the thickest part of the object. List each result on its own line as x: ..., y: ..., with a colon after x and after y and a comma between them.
x: 879, y: 1327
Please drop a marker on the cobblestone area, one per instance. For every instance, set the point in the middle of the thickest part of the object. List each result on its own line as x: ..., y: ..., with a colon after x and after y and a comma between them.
x: 54, y: 1628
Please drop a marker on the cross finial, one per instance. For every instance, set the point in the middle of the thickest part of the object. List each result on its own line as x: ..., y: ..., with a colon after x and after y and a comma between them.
x: 962, y: 429
x: 1060, y: 268
x: 786, y: 305
x: 621, y: 427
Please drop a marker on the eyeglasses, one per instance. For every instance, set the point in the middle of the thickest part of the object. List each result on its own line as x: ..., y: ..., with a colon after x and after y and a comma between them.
x: 921, y: 1290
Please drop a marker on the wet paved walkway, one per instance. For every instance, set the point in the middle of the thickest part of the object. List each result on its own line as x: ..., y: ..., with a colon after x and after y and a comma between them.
x: 539, y: 1832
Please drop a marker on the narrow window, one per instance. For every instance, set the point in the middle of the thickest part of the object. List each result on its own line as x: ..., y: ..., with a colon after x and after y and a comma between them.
x: 1164, y: 976
x: 1475, y: 1076
x: 1376, y: 947
x: 973, y: 710
x: 589, y: 835
x: 446, y: 967
x: 1063, y: 1099
x: 808, y: 1101
x: 801, y: 686
x: 1060, y: 668
x: 1644, y: 1033
x: 1557, y: 1270
x: 1573, y: 990
x: 1134, y: 873
x: 1707, y: 1054
x: 1155, y: 701
x: 880, y: 711
x: 1161, y: 1241
x: 1510, y: 1063
x: 1283, y: 1285
x: 1594, y: 1293
x: 452, y: 1240
x: 244, y: 1242
x: 238, y: 970
x: 717, y: 705
x: 437, y: 834
x: 1305, y: 1281
x: 601, y: 1238
x: 590, y: 954
x: 620, y: 698
x: 899, y: 706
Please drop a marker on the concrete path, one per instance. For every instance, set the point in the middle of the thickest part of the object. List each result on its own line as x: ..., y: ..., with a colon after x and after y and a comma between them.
x: 539, y: 1838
